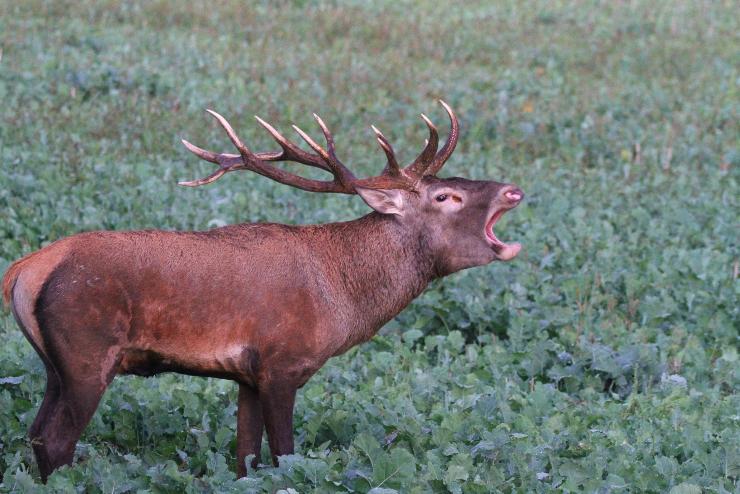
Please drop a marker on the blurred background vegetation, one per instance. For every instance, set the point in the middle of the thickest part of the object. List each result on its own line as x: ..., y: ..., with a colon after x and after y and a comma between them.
x: 603, y: 359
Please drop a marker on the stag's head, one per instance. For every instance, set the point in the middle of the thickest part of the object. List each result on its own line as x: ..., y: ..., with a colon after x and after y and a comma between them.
x: 455, y: 216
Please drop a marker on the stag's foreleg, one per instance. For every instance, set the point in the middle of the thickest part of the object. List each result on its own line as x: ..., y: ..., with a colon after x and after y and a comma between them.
x: 249, y: 428
x: 277, y: 399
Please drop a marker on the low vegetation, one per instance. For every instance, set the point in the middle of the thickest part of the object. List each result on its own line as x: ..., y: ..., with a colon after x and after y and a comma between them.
x: 603, y: 359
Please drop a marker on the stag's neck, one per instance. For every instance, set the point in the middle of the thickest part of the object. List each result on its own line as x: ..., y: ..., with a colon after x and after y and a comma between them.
x: 376, y: 267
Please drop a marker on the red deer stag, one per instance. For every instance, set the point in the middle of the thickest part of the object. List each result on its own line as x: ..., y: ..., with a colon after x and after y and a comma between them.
x: 265, y: 305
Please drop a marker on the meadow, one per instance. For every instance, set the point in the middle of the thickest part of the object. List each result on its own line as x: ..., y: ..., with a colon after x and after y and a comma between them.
x: 603, y: 359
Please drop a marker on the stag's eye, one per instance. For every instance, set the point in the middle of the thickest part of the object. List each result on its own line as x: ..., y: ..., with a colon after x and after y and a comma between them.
x: 441, y: 198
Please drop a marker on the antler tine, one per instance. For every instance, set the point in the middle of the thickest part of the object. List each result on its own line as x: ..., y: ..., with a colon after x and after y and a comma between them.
x: 341, y: 174
x: 424, y: 159
x: 205, y: 180
x: 201, y: 153
x: 327, y: 136
x: 444, y: 154
x: 345, y: 175
x: 313, y: 144
x: 392, y: 168
x: 290, y: 151
x: 243, y: 150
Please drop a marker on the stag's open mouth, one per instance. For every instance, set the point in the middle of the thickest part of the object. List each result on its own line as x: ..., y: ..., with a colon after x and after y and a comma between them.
x: 504, y: 251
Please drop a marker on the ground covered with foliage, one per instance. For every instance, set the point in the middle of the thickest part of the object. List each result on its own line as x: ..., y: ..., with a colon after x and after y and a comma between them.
x: 603, y: 359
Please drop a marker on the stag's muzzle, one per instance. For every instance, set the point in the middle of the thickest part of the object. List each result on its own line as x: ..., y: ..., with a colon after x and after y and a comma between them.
x: 508, y: 198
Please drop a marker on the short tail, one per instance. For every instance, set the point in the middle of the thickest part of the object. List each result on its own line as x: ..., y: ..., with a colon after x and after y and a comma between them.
x: 12, y: 274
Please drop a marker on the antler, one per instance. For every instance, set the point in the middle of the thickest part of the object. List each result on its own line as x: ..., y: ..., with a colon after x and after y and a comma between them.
x: 429, y: 162
x: 258, y: 162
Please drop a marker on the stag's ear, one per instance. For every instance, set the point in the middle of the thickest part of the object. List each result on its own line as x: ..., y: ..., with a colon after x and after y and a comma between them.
x: 385, y: 201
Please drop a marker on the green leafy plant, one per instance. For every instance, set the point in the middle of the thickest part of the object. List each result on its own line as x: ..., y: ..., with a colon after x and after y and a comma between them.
x: 604, y: 359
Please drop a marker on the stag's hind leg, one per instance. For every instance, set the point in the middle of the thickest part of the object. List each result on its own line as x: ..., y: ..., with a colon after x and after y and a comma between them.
x: 62, y: 420
x: 83, y: 318
x: 48, y: 404
x: 249, y: 428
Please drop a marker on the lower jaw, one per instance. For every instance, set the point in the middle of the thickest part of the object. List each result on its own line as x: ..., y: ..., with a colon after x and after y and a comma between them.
x: 506, y: 252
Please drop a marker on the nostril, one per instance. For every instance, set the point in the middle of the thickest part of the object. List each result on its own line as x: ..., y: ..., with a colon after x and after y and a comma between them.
x: 514, y: 195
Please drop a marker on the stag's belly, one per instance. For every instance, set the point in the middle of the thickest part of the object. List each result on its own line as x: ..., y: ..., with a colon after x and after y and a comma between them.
x: 240, y: 363
x: 236, y: 329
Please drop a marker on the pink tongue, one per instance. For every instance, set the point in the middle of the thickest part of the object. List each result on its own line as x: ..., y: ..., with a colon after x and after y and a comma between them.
x: 509, y: 251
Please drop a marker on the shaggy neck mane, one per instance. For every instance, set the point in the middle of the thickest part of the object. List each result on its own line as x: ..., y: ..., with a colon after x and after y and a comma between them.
x: 375, y: 263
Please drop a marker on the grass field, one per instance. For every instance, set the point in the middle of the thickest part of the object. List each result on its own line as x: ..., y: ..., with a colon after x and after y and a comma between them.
x: 603, y: 359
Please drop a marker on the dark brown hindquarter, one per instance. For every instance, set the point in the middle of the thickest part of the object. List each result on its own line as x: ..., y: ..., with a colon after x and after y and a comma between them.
x: 85, y: 313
